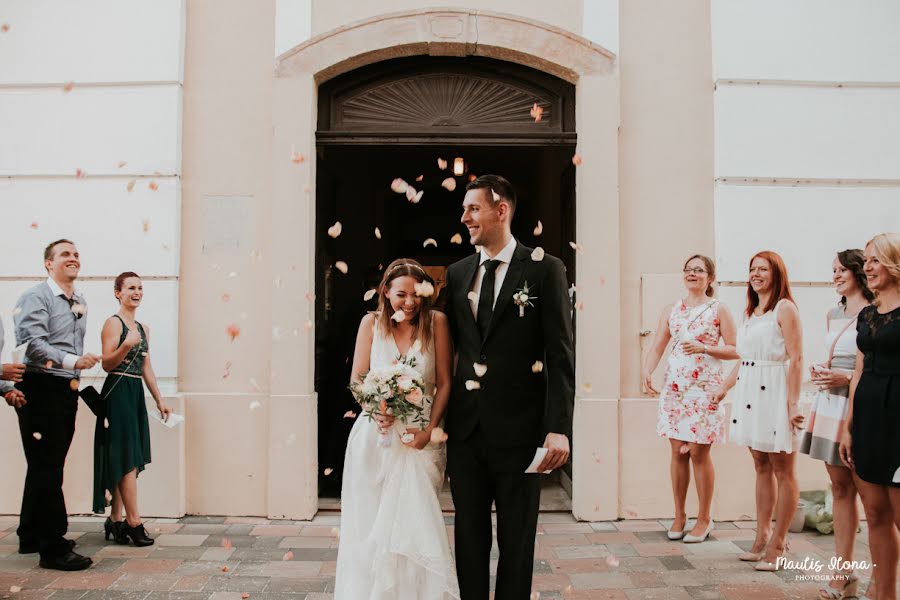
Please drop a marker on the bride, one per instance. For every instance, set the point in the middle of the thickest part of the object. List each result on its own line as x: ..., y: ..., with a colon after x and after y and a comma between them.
x: 393, y: 542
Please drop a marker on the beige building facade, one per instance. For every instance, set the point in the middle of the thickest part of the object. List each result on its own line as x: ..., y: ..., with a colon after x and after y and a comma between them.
x: 680, y: 154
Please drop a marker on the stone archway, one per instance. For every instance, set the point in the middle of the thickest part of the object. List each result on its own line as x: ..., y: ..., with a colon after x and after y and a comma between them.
x: 292, y: 469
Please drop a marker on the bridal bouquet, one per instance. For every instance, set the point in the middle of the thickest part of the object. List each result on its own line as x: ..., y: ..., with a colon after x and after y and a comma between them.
x: 397, y: 391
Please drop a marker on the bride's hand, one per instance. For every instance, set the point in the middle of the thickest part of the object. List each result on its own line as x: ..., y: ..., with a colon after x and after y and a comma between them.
x: 383, y: 422
x: 420, y: 439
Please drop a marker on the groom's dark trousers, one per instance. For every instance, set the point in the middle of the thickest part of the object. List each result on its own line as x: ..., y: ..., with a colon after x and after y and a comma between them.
x: 495, y: 428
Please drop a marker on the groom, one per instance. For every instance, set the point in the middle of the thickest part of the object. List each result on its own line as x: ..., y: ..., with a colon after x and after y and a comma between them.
x: 523, y: 400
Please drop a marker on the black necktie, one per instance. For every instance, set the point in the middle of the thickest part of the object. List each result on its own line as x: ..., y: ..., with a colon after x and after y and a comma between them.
x: 486, y: 296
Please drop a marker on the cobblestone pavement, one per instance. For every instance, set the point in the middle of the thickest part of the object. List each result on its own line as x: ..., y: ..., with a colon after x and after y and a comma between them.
x: 230, y: 558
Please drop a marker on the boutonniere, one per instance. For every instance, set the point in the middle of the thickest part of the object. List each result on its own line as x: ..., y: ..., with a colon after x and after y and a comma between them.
x: 522, y: 298
x: 79, y: 310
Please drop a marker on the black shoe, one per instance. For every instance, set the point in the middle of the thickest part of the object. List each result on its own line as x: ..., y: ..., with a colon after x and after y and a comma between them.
x: 114, y: 529
x: 32, y: 547
x: 70, y: 561
x: 137, y: 534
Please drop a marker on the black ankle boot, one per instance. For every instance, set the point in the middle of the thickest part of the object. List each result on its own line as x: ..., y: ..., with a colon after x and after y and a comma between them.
x: 137, y: 534
x: 114, y: 529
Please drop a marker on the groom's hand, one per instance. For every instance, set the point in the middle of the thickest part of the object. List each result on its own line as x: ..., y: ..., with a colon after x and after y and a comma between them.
x: 557, y: 445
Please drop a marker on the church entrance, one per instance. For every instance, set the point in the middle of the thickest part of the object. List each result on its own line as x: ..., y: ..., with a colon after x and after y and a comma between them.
x: 435, y: 123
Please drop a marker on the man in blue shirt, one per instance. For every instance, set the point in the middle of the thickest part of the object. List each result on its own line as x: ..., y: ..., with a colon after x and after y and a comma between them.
x: 50, y: 317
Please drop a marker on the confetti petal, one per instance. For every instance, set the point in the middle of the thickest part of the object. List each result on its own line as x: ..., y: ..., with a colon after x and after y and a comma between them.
x: 153, y: 186
x: 79, y: 174
x: 369, y: 295
x: 4, y: 28
x: 480, y: 369
x: 226, y: 297
x: 456, y: 239
x: 612, y: 560
x: 13, y: 589
x: 328, y: 471
x: 37, y: 435
x: 429, y: 242
x: 349, y: 415
x: 377, y: 233
x: 73, y: 384
x: 341, y: 266
x: 225, y: 569
x: 539, y: 229
x: 244, y: 596
x: 297, y: 158
x: 289, y: 555
x: 471, y: 384
x: 130, y: 185
x: 442, y: 164
x: 226, y: 543
x: 579, y: 305
x: 310, y: 296
x: 121, y: 164
x: 473, y: 296
x: 145, y: 224
x: 255, y: 404
x: 449, y: 184
x: 68, y: 86
x: 233, y: 331
x: 424, y: 289
x: 537, y: 112
x: 400, y: 186
x: 577, y: 247
x: 438, y: 436
x: 576, y: 160
x: 335, y: 532
x: 495, y: 196
x: 537, y: 255
x: 587, y: 387
x: 34, y: 225
x: 420, y: 178
x: 537, y: 367
x: 308, y: 325
x: 48, y: 364
x: 335, y: 230
x: 399, y: 316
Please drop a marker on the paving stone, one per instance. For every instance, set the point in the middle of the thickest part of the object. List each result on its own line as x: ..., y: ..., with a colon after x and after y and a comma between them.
x: 151, y: 582
x: 675, y: 563
x: 201, y: 520
x: 115, y: 595
x: 176, y: 539
x: 296, y: 584
x: 227, y: 583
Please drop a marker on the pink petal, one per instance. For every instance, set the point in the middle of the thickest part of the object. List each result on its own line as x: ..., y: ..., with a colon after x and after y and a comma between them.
x: 297, y: 158
x: 587, y: 387
x: 233, y: 331
x: 420, y: 178
x: 576, y: 160
x: 429, y: 242
x: 442, y: 164
x: 456, y: 239
x: 399, y: 186
x: 537, y: 367
x: 289, y: 555
x: 539, y: 229
x: 130, y: 185
x: 449, y: 184
x: 537, y: 255
x: 399, y: 316
x: 369, y: 295
x: 377, y: 233
x: 335, y: 230
x: 121, y: 164
x: 68, y: 86
x: 480, y: 369
x: 612, y: 561
x: 153, y: 186
x: 328, y: 471
x: 537, y: 112
x: 349, y: 415
x: 341, y: 266
x: 37, y: 435
x: 471, y: 384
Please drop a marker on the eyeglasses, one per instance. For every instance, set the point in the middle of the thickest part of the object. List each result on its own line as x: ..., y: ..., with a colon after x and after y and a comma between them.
x: 695, y: 271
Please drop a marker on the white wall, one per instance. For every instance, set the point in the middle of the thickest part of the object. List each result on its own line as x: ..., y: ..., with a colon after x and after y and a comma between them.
x: 601, y: 23
x: 119, y: 122
x: 807, y: 107
x: 293, y: 24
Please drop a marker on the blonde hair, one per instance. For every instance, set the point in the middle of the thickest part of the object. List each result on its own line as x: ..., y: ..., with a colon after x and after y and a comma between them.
x: 405, y: 267
x: 886, y: 247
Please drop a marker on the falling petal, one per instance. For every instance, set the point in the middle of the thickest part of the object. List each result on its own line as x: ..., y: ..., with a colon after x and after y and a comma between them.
x: 255, y: 404
x: 145, y: 224
x: 577, y: 247
x: 420, y: 178
x: 341, y: 266
x: 225, y: 569
x: 68, y: 86
x: 79, y: 174
x: 400, y: 186
x: 473, y: 296
x: 310, y: 296
x: 226, y: 297
x: 456, y: 239
x: 244, y: 596
x: 226, y: 543
x: 297, y: 158
x: 612, y: 560
x: 34, y: 225
x: 438, y: 436
x: 495, y: 195
x: 130, y: 185
x: 121, y: 164
x: 424, y: 289
x: 233, y: 331
x: 231, y: 275
x: 442, y: 164
x: 153, y: 186
x: 48, y: 364
x: 429, y: 242
x: 630, y: 512
x: 576, y: 160
x: 539, y: 229
x: 480, y: 369
x: 579, y: 305
x: 308, y: 325
x: 349, y: 415
x: 4, y: 28
x: 537, y: 367
x: 535, y: 596
x: 37, y: 435
x: 537, y: 255
x: 335, y: 230
x: 411, y: 194
x: 685, y: 448
x: 335, y: 532
x: 449, y: 184
x: 13, y: 589
x: 369, y: 295
x: 289, y: 555
x: 328, y: 471
x: 597, y: 458
x: 399, y: 316
x: 471, y: 384
x: 537, y: 112
x: 377, y: 233
x: 587, y: 387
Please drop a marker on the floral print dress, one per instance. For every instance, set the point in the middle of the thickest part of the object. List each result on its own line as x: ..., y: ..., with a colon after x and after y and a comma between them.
x: 691, y: 379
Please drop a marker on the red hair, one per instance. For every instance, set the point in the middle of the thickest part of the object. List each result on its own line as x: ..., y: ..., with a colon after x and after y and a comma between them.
x: 781, y: 285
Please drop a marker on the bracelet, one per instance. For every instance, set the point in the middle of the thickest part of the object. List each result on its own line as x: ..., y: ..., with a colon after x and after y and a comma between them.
x: 705, y: 349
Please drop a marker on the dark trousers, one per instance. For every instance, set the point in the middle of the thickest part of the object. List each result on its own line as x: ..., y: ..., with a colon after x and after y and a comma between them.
x: 49, y: 411
x: 479, y: 476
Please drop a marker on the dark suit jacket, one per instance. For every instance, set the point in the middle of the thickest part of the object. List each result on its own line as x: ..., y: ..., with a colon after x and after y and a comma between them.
x: 515, y: 407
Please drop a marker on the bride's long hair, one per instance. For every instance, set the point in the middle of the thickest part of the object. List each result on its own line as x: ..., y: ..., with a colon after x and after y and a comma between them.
x: 406, y: 267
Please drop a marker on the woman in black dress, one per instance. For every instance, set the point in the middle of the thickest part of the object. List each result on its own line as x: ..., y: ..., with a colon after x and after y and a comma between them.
x: 871, y: 443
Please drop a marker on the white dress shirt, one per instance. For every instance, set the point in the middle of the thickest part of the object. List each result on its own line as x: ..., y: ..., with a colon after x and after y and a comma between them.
x: 505, y: 257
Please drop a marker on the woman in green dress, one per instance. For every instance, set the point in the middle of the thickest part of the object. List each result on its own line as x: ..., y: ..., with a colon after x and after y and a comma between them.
x: 122, y: 437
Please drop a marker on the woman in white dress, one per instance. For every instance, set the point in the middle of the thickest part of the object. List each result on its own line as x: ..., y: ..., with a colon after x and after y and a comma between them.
x: 696, y: 323
x: 393, y: 543
x: 765, y: 413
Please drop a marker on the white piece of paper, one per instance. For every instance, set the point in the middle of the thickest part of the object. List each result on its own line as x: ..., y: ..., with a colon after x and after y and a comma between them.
x: 172, y: 421
x: 539, y: 455
x: 896, y: 478
x: 18, y: 353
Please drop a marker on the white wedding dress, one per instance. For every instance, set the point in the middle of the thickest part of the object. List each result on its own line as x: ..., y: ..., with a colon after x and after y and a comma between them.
x: 393, y: 543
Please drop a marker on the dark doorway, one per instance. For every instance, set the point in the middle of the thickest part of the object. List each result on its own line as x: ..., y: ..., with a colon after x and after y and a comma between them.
x: 354, y: 172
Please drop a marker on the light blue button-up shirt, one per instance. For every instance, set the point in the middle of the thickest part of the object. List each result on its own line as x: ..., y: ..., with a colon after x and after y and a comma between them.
x: 5, y: 386
x: 45, y: 318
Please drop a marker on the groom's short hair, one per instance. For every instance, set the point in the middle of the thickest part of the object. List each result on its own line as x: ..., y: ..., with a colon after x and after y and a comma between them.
x: 499, y: 185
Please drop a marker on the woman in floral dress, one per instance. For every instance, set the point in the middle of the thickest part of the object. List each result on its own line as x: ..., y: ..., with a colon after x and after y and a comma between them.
x: 694, y: 372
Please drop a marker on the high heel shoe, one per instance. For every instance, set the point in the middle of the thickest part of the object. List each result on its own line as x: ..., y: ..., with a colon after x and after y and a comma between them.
x: 677, y: 535
x: 694, y: 539
x: 137, y: 534
x: 751, y: 556
x: 850, y: 591
x: 764, y: 565
x: 114, y: 529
